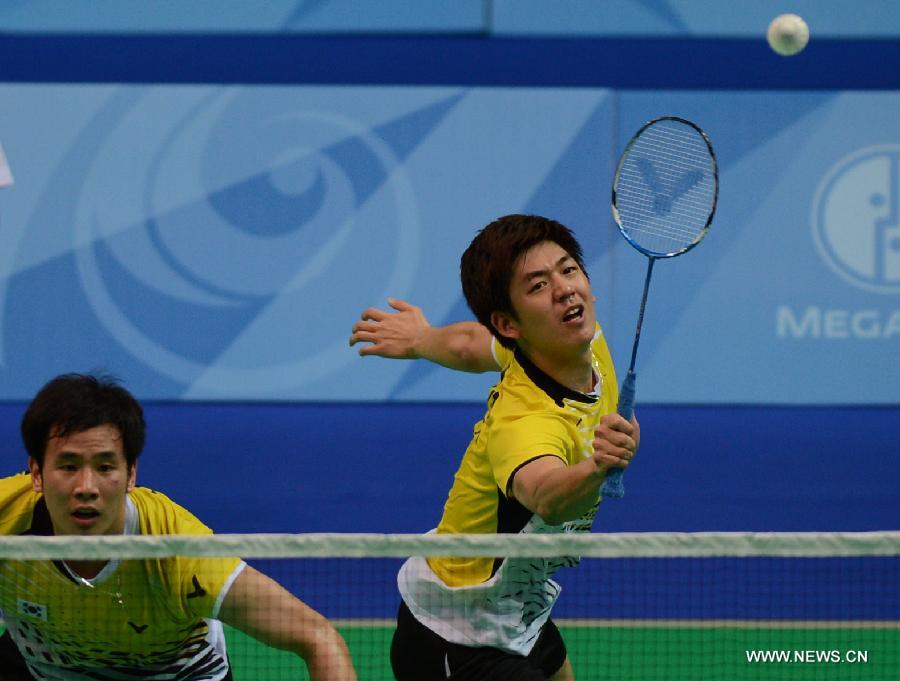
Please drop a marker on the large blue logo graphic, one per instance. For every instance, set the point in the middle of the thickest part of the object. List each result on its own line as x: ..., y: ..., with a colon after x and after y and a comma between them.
x: 219, y: 241
x: 856, y: 219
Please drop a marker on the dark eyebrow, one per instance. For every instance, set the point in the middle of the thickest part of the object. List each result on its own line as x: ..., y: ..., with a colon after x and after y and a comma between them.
x: 69, y: 456
x: 534, y: 274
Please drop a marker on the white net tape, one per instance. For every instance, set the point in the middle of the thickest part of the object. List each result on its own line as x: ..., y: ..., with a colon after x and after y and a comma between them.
x: 347, y: 545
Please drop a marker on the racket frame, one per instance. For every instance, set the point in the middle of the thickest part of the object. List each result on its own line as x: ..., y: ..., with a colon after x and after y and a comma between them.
x: 715, y: 178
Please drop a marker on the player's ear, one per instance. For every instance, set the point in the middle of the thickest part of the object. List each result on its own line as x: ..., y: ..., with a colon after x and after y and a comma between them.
x: 132, y: 477
x: 506, y: 325
x: 37, y: 480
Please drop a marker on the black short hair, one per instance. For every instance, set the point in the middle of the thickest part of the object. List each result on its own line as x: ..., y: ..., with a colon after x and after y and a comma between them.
x: 73, y: 403
x: 486, y: 267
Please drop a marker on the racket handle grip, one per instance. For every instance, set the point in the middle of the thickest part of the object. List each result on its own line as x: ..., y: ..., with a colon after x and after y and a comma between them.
x: 613, y: 488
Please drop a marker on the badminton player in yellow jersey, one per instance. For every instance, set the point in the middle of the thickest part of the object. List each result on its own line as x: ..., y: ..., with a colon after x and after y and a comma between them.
x: 148, y: 619
x: 536, y: 460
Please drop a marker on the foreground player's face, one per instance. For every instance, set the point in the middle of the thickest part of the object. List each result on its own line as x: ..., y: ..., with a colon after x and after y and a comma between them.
x: 84, y: 481
x: 553, y: 302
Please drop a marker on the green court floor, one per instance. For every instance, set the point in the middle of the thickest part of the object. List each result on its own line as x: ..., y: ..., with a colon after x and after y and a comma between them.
x: 647, y: 653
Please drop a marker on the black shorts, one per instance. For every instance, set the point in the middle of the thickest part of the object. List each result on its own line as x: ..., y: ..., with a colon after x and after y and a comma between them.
x: 12, y: 664
x: 418, y: 654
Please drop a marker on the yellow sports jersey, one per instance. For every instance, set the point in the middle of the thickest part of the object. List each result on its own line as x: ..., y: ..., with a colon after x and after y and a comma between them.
x: 529, y: 415
x: 149, y: 619
x: 481, y: 601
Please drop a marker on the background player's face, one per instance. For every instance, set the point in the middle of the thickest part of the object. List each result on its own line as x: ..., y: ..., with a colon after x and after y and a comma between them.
x: 84, y: 480
x: 553, y: 302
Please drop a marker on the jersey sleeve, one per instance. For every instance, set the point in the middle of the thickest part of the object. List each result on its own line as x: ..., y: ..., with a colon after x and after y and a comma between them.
x: 17, y: 500
x: 517, y: 441
x: 200, y: 583
x: 204, y: 582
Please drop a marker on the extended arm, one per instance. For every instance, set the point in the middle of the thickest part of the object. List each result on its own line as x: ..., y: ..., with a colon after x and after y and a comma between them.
x: 557, y: 492
x: 262, y: 608
x: 406, y: 334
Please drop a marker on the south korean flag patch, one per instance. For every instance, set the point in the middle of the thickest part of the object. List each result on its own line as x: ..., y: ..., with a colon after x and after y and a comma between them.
x: 32, y: 610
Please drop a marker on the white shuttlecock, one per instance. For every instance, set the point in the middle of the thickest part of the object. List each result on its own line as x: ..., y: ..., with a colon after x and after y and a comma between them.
x: 788, y: 34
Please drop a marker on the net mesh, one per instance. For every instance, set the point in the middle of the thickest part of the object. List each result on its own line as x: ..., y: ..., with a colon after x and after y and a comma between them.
x: 665, y: 189
x: 649, y: 606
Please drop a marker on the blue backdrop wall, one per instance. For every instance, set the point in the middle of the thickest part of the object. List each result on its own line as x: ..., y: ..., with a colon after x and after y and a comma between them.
x: 204, y: 208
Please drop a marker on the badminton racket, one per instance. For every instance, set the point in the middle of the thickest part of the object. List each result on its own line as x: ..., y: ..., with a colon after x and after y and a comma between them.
x: 663, y: 200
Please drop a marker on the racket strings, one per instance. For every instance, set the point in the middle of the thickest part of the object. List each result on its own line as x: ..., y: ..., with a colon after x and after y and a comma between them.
x: 665, y: 188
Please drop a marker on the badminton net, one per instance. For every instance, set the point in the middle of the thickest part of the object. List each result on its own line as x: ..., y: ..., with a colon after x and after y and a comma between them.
x: 649, y: 606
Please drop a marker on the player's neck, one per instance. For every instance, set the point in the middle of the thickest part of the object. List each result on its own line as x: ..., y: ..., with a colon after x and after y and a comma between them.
x: 575, y: 372
x: 86, y: 569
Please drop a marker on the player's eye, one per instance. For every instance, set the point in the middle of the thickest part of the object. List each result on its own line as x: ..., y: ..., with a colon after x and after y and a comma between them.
x: 537, y: 286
